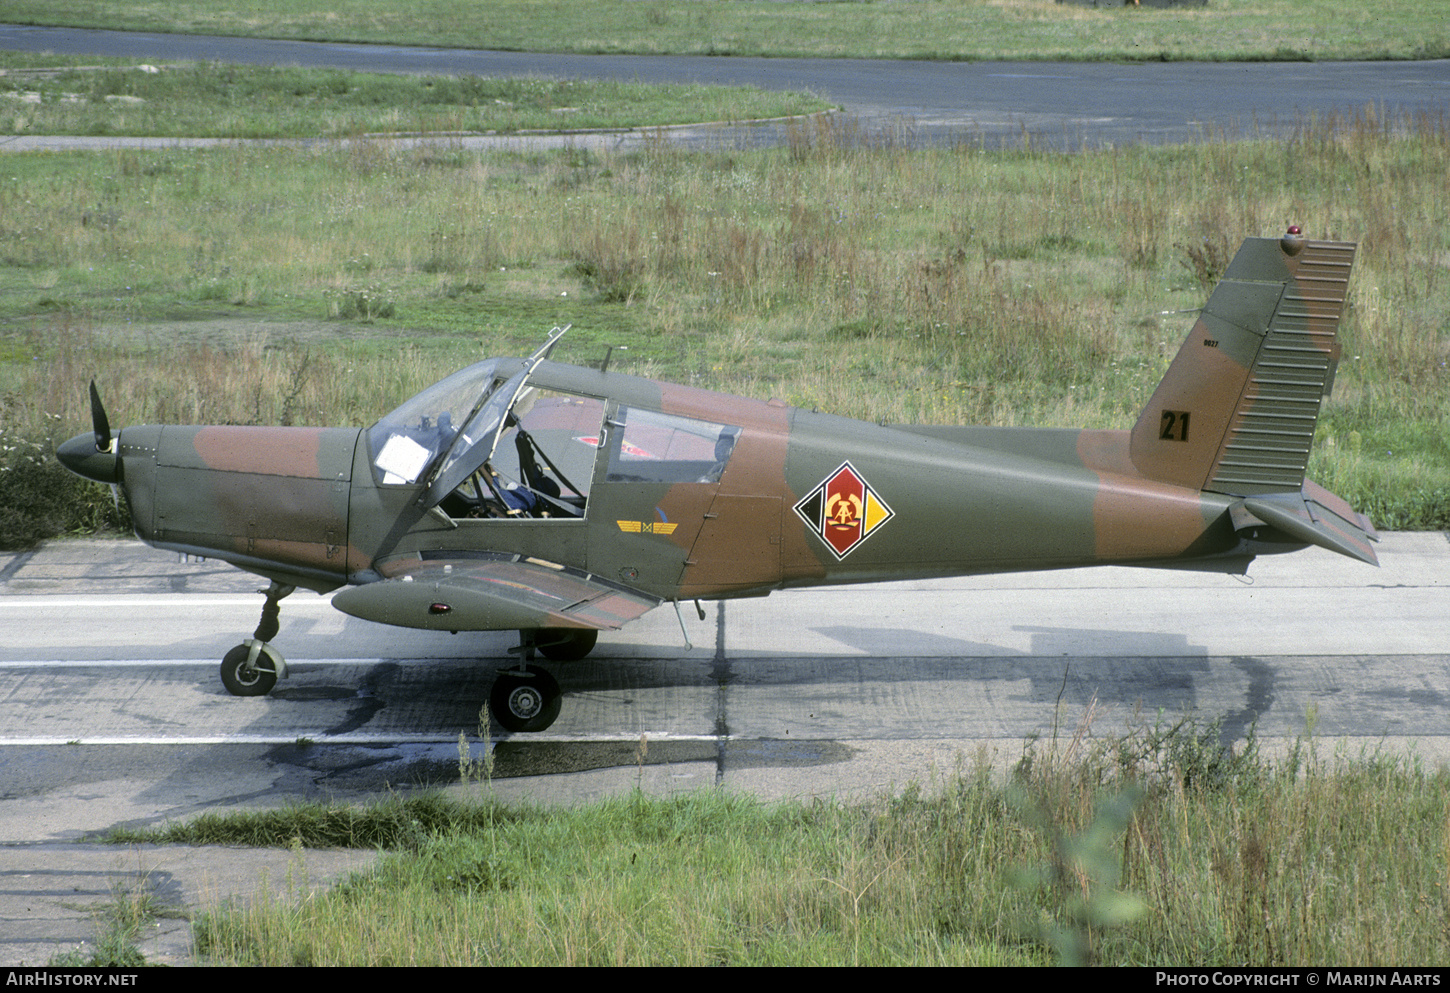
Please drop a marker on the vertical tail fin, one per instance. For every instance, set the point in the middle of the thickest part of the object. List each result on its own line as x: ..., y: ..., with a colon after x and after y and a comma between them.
x: 1236, y: 412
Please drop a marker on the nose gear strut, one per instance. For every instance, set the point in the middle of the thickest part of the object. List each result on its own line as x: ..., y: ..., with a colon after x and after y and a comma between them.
x: 253, y: 667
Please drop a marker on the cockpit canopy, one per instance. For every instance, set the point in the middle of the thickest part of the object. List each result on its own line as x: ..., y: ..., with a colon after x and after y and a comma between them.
x: 473, y: 398
x: 448, y: 440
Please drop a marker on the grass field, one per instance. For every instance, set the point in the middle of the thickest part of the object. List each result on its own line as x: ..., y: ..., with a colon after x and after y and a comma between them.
x: 918, y: 29
x: 51, y: 95
x: 322, y: 285
x: 1149, y: 846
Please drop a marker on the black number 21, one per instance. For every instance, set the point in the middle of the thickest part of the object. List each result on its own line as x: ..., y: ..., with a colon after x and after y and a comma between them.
x: 1174, y: 426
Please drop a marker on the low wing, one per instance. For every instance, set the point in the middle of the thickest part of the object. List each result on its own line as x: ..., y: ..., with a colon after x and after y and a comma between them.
x: 493, y: 593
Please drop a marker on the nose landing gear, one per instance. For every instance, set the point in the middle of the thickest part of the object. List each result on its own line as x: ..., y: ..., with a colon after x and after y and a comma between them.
x: 252, y: 668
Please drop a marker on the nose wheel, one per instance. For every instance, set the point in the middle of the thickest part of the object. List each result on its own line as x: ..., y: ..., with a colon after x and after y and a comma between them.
x: 249, y: 670
x: 252, y: 668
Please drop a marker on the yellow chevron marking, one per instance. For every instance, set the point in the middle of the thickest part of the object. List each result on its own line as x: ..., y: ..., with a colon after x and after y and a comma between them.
x: 647, y: 527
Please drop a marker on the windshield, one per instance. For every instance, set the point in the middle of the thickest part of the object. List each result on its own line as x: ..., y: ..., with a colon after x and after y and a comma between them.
x: 406, y: 442
x: 475, y: 445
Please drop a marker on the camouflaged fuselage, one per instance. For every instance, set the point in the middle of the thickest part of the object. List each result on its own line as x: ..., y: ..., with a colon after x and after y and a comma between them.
x: 1211, y: 475
x: 270, y: 500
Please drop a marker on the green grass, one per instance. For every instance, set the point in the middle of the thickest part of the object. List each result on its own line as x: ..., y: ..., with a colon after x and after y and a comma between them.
x: 1150, y: 846
x: 841, y: 271
x: 119, y: 924
x: 916, y: 29
x: 223, y: 101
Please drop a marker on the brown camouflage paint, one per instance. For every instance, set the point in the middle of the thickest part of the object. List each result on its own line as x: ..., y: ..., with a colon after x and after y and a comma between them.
x: 741, y: 545
x: 303, y: 505
x: 1136, y: 518
x: 266, y: 494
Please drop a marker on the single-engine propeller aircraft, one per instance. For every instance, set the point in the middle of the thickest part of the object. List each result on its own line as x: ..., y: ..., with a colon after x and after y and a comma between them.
x: 562, y: 501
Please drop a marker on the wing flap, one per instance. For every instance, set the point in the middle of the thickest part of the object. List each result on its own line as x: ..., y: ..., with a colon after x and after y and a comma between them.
x: 493, y: 594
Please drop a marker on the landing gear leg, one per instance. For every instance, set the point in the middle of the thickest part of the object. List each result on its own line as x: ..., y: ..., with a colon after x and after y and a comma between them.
x: 252, y: 668
x: 526, y: 697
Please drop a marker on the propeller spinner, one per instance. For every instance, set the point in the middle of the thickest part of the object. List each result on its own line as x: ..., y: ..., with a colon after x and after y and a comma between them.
x: 93, y: 455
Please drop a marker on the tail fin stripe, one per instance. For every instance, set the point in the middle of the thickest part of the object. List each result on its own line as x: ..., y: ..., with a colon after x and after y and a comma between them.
x: 1282, y: 398
x: 1276, y: 432
x: 1278, y: 382
x: 1258, y: 448
x: 1293, y: 349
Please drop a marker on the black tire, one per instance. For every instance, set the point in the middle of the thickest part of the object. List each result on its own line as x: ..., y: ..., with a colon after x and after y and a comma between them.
x: 241, y: 679
x: 566, y: 644
x: 522, y: 702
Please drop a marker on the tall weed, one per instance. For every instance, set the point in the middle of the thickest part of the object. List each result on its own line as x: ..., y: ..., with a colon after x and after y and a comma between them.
x: 1158, y: 844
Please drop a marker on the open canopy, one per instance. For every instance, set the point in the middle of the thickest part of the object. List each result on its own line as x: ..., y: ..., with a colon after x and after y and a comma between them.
x: 421, y: 439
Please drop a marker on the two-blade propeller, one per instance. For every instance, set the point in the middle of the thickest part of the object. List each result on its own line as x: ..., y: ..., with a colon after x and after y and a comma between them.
x: 93, y: 455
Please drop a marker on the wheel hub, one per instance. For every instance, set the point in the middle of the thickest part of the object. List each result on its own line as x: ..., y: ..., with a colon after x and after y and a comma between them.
x: 525, y: 702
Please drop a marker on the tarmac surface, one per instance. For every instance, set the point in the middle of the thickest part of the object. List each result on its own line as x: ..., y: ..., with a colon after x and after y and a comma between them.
x: 55, y: 895
x: 1064, y: 106
x: 111, y: 714
x: 55, y: 898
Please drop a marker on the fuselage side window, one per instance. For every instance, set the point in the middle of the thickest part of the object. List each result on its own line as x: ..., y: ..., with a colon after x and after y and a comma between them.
x: 650, y: 447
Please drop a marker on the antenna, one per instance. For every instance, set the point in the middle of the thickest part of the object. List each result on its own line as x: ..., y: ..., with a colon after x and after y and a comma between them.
x: 604, y: 366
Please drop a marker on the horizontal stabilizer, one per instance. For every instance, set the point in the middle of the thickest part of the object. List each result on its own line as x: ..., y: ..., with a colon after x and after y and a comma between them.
x: 1315, y: 517
x: 494, y: 594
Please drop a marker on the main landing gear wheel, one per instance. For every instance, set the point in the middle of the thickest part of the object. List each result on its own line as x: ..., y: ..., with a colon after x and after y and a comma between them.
x: 526, y: 700
x: 243, y: 677
x: 566, y: 644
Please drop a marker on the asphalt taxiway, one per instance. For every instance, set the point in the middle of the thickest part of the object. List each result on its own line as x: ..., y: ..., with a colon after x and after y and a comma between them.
x: 1064, y: 106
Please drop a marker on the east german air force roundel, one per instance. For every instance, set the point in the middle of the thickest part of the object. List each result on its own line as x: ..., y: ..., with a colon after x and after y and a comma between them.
x: 843, y: 510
